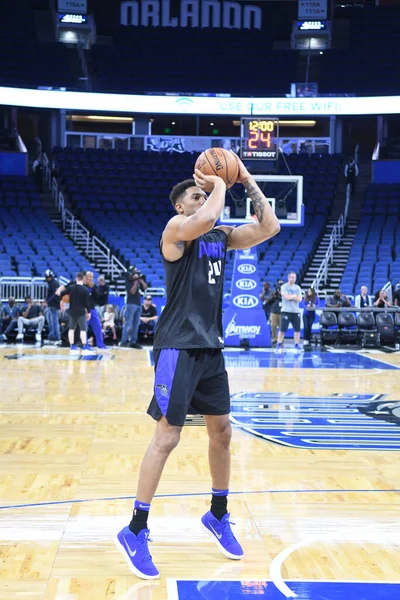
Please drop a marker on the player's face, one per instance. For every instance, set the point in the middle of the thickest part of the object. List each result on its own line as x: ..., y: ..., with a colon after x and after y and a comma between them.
x: 193, y: 199
x: 292, y: 278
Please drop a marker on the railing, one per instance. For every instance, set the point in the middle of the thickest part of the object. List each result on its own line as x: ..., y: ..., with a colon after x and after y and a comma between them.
x: 76, y: 231
x: 335, y: 237
x: 93, y: 247
x: 21, y: 287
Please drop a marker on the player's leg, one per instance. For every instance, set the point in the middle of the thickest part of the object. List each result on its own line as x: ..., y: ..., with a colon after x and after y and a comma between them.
x: 295, y: 320
x: 212, y: 399
x: 283, y: 329
x: 174, y: 385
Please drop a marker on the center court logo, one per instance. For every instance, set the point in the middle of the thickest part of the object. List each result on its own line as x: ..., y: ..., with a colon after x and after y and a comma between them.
x: 246, y: 284
x: 245, y: 301
x: 246, y: 269
x: 338, y: 421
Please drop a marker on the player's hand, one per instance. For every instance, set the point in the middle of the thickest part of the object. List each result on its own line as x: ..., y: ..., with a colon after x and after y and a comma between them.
x: 207, y: 182
x: 243, y: 172
x: 87, y: 316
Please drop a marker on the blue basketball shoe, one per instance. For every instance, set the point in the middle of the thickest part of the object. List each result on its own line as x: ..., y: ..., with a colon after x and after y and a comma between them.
x: 136, y: 552
x: 222, y: 533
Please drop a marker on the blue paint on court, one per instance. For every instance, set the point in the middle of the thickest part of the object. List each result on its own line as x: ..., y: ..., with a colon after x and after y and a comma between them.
x: 339, y: 421
x: 305, y: 590
x: 268, y: 359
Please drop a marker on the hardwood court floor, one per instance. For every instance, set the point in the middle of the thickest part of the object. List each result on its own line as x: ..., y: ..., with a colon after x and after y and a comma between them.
x: 73, y: 433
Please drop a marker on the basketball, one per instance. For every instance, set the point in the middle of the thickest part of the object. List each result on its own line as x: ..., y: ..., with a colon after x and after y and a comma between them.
x: 65, y: 299
x: 217, y: 161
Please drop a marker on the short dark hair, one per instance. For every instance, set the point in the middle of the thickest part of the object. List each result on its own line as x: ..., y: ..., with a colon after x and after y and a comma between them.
x: 79, y: 276
x: 179, y: 189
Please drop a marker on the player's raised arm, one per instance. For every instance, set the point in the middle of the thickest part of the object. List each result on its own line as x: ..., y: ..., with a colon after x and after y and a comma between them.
x: 266, y: 226
x: 197, y: 214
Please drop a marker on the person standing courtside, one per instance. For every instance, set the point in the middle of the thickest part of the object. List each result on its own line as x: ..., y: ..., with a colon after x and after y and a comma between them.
x: 134, y: 281
x: 79, y: 311
x: 291, y: 298
x: 190, y: 374
x: 53, y: 306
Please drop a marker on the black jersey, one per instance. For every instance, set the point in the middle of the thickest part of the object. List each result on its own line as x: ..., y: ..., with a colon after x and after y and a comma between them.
x: 192, y: 317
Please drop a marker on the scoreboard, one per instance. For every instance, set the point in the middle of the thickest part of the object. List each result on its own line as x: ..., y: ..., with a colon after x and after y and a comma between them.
x: 259, y: 139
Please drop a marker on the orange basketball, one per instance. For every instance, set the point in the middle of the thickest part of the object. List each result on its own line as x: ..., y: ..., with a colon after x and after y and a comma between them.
x: 65, y: 299
x: 217, y: 161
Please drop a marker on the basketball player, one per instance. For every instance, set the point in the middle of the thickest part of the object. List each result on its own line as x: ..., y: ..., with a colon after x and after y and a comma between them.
x: 190, y: 375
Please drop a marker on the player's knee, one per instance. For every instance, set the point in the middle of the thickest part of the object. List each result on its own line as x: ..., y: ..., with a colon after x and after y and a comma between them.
x: 222, y: 435
x: 168, y: 440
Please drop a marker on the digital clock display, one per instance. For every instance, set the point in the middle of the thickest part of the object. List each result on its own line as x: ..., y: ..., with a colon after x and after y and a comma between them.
x: 259, y: 139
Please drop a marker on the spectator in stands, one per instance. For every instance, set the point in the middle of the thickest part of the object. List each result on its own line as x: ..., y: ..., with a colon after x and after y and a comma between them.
x: 102, y: 291
x: 338, y: 300
x: 32, y: 316
x: 291, y: 298
x: 109, y: 320
x: 9, y: 318
x: 396, y: 295
x: 362, y: 299
x: 275, y: 303
x: 52, y: 303
x: 309, y: 303
x: 134, y: 280
x: 38, y: 171
x: 351, y: 174
x: 148, y: 317
x: 265, y: 296
x: 381, y: 300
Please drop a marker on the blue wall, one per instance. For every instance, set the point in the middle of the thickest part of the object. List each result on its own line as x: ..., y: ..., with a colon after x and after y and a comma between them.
x: 386, y: 171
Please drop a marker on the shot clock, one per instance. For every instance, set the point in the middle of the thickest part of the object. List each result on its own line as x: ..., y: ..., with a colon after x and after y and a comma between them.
x: 259, y: 138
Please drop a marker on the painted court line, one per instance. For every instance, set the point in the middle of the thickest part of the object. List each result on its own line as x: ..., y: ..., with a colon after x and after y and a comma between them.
x: 195, y: 494
x: 277, y: 563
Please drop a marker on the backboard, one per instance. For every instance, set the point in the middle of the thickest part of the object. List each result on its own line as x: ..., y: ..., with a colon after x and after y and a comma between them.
x: 284, y: 193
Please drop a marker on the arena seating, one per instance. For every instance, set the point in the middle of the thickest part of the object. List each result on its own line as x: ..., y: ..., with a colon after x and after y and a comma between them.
x: 375, y: 254
x: 30, y: 242
x: 123, y: 197
x: 371, y: 65
x: 26, y: 62
x: 132, y: 63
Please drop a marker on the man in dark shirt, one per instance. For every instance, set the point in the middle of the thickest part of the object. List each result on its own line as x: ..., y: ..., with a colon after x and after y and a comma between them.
x: 9, y: 318
x: 337, y: 300
x: 275, y: 305
x: 134, y: 281
x: 190, y: 374
x: 79, y: 312
x: 148, y: 317
x: 94, y: 320
x: 102, y: 291
x: 32, y: 316
x: 53, y: 303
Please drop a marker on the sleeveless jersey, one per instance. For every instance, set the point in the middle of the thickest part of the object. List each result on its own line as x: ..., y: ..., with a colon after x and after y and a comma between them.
x: 192, y: 317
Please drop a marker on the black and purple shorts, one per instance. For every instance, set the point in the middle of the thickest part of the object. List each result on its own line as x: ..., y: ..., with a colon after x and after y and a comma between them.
x: 189, y: 382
